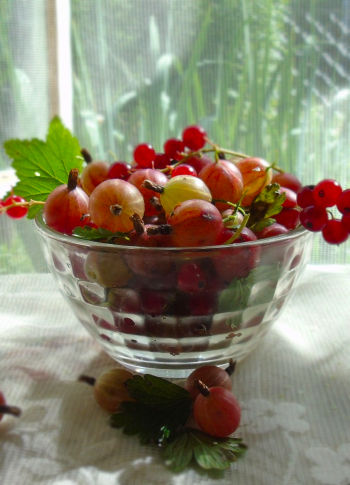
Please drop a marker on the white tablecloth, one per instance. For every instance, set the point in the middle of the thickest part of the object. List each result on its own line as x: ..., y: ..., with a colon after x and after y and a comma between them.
x: 294, y: 390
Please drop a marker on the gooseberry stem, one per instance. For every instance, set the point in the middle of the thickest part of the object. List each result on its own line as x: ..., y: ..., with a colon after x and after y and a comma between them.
x: 203, y: 389
x: 87, y: 379
x: 86, y: 155
x: 239, y: 230
x: 13, y: 410
x: 148, y: 184
x: 231, y: 367
x: 138, y: 223
x: 73, y: 179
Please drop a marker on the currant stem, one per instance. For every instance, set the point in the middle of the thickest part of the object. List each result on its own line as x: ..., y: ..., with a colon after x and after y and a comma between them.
x: 3, y: 209
x: 13, y: 410
x: 218, y: 151
x: 87, y: 379
x: 216, y: 148
x: 276, y: 168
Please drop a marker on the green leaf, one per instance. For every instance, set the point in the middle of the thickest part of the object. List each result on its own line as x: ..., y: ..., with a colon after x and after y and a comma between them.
x: 267, y: 204
x: 235, y: 296
x: 269, y: 272
x: 160, y: 408
x: 260, y: 225
x: 98, y: 234
x: 156, y: 392
x: 206, y: 451
x: 137, y: 419
x: 41, y: 166
x: 178, y: 454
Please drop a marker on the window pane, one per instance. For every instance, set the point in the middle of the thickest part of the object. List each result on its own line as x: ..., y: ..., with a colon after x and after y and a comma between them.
x: 269, y: 78
x: 23, y: 113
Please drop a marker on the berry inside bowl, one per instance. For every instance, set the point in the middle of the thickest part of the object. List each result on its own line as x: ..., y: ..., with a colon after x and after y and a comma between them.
x: 169, y: 310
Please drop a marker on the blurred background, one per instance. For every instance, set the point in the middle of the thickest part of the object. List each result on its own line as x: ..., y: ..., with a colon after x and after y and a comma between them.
x: 268, y: 78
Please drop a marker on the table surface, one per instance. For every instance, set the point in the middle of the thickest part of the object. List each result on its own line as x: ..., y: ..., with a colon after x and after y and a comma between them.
x: 294, y: 390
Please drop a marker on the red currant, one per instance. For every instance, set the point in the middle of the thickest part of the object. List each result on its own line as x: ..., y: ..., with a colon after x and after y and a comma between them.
x: 15, y: 212
x: 346, y: 221
x: 335, y: 232
x: 313, y: 218
x: 162, y: 160
x: 119, y: 170
x: 183, y: 169
x: 202, y: 303
x: 343, y: 202
x: 144, y: 155
x: 327, y: 192
x: 194, y: 137
x: 288, y: 218
x: 305, y: 196
x: 191, y: 278
x: 174, y: 148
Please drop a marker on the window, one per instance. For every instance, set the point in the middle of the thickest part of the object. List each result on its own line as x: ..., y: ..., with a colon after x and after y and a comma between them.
x: 269, y: 78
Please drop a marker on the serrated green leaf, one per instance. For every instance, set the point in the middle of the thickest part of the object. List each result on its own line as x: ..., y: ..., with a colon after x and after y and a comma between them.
x: 178, y: 454
x: 260, y: 225
x: 156, y: 392
x: 98, y: 234
x: 135, y: 418
x: 267, y: 204
x: 208, y: 452
x: 33, y: 211
x: 159, y: 409
x: 269, y: 272
x: 41, y: 166
x: 210, y: 457
x: 235, y: 296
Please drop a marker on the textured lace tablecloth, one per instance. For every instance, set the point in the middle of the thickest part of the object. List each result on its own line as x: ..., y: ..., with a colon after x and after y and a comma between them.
x: 294, y: 390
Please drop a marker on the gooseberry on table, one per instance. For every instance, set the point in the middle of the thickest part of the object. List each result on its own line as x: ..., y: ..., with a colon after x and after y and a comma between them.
x: 109, y: 388
x: 216, y: 410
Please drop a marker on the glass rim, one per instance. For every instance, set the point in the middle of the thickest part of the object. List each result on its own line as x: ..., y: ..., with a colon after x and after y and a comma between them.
x: 43, y: 228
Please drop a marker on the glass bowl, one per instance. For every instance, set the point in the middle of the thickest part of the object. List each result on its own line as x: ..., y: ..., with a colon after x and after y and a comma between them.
x: 167, y: 311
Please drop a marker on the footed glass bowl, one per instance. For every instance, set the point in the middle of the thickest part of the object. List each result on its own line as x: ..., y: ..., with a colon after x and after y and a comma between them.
x: 167, y: 311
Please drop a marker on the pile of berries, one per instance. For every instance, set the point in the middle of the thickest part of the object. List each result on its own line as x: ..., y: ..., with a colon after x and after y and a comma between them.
x: 183, y: 197
x: 215, y: 410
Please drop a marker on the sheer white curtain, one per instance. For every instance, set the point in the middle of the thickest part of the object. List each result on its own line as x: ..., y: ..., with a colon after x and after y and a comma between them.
x: 268, y: 78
